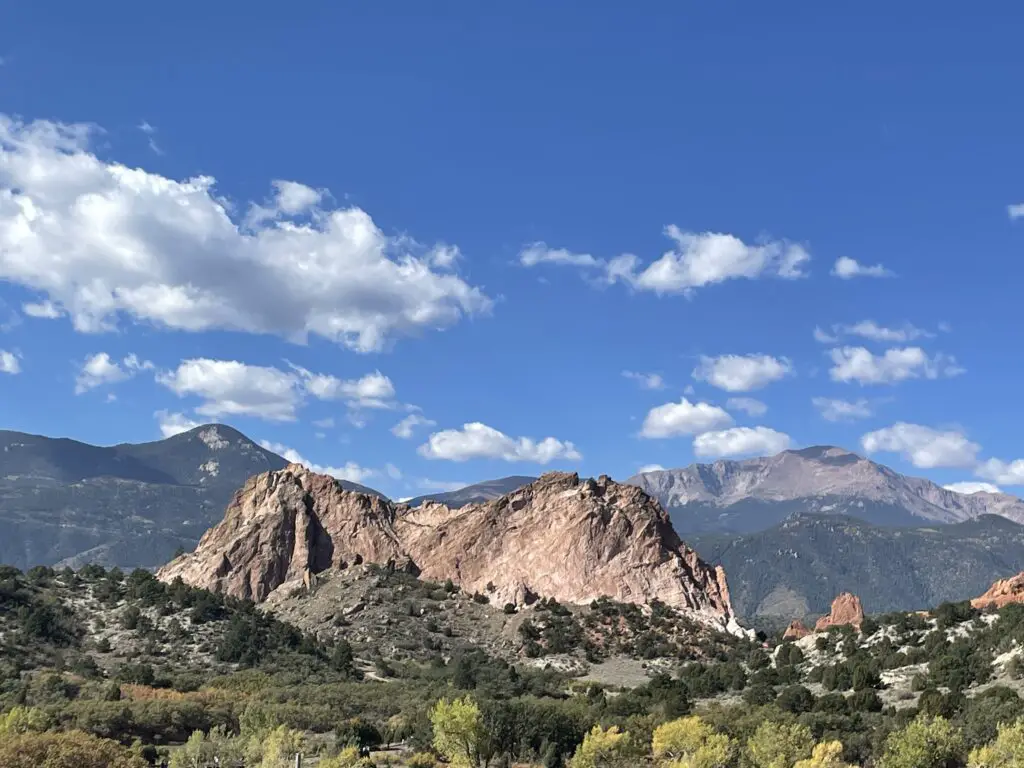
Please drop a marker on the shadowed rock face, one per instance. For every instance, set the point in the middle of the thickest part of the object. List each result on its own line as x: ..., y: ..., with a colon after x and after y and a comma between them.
x: 1003, y: 592
x: 562, y: 537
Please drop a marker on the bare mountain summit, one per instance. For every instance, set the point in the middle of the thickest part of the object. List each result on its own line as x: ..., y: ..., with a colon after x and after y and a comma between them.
x: 754, y: 494
x: 562, y: 537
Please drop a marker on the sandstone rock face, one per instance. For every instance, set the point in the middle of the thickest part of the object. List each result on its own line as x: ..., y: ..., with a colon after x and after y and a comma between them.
x: 562, y: 537
x: 1003, y: 592
x: 284, y: 524
x: 795, y: 631
x: 846, y: 610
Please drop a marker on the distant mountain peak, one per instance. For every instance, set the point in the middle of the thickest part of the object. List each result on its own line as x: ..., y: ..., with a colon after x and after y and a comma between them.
x: 754, y: 494
x: 823, y: 453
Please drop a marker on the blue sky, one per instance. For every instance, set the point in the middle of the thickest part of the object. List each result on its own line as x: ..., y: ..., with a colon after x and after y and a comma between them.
x: 317, y: 223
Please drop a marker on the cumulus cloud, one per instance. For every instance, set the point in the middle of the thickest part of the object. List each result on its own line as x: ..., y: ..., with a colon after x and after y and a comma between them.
x: 740, y: 441
x: 832, y: 409
x: 858, y: 364
x: 100, y: 241
x: 1015, y: 211
x: 701, y: 259
x: 748, y: 405
x: 846, y: 268
x: 696, y: 260
x: 327, y: 423
x: 100, y: 369
x: 42, y: 309
x: 683, y: 418
x: 969, y: 487
x: 172, y: 424
x: 374, y: 390
x: 650, y: 468
x: 405, y: 428
x: 231, y: 388
x: 646, y: 380
x: 741, y: 373
x: 924, y: 447
x: 9, y: 362
x: 479, y: 441
x: 350, y: 471
x: 1005, y: 472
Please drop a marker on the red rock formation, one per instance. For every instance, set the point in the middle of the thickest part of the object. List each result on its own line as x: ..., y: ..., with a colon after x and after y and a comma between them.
x: 846, y: 610
x: 1003, y: 592
x: 562, y: 537
x: 795, y: 631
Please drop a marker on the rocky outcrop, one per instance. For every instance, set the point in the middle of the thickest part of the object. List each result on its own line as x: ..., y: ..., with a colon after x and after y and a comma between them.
x: 562, y: 537
x: 795, y: 631
x: 282, y: 525
x: 846, y: 611
x: 1003, y: 592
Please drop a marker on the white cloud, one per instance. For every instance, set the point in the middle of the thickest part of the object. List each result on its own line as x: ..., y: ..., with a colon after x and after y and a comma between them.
x: 969, y: 487
x: 374, y: 390
x: 479, y: 441
x: 1015, y: 211
x: 172, y: 424
x: 924, y: 447
x: 650, y: 468
x: 864, y: 367
x: 539, y: 253
x: 740, y: 441
x: 101, y: 240
x: 100, y: 369
x: 231, y: 388
x: 748, y: 405
x: 701, y: 259
x: 683, y: 418
x: 741, y: 373
x: 832, y: 409
x: 846, y: 268
x: 646, y: 380
x: 404, y: 428
x: 697, y: 259
x: 1005, y: 472
x: 9, y: 362
x: 392, y: 471
x: 327, y: 423
x: 349, y: 471
x: 869, y: 329
x: 43, y: 309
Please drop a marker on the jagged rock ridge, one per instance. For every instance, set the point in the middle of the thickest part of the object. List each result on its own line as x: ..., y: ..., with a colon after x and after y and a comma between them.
x: 562, y: 537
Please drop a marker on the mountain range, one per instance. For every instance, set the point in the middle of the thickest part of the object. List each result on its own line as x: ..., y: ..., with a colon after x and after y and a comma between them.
x: 476, y: 493
x: 792, y: 530
x: 795, y: 569
x: 755, y: 494
x: 68, y: 503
